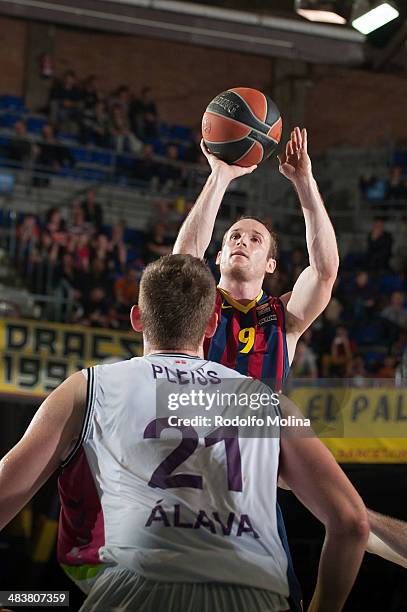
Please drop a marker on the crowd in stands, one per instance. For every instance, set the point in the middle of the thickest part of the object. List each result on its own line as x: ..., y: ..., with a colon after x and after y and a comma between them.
x: 390, y: 188
x: 143, y: 149
x: 120, y: 119
x: 96, y: 266
x: 362, y: 333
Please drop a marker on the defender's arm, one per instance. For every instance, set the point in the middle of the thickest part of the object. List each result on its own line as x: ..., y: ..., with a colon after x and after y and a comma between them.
x: 309, y: 469
x: 46, y: 443
x: 392, y: 535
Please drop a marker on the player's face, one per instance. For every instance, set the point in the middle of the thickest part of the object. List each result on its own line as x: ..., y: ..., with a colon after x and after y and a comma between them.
x: 245, y: 251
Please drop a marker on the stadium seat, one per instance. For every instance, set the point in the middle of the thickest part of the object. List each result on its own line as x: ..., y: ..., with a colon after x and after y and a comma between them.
x: 369, y: 334
x: 35, y: 124
x: 67, y: 137
x: 80, y: 154
x: 159, y: 146
x: 93, y: 174
x: 391, y: 282
x: 164, y: 130
x: 125, y: 161
x: 400, y: 158
x: 180, y: 132
x: 7, y: 120
x: 378, y: 191
x: 374, y: 357
x: 12, y: 103
x: 354, y: 261
x: 181, y: 150
x: 7, y: 182
x: 104, y: 158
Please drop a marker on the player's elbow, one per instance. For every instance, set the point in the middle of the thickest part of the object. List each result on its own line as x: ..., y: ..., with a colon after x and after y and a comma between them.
x: 328, y: 271
x: 184, y: 248
x: 351, y: 522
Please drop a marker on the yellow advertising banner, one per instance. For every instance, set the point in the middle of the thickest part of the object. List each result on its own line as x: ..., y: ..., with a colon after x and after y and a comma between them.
x: 358, y: 425
x: 37, y: 356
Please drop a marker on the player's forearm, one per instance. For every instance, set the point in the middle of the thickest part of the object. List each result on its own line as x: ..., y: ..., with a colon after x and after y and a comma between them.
x: 13, y: 496
x: 9, y: 508
x: 376, y: 546
x: 340, y: 561
x: 196, y: 231
x: 320, y: 235
x: 390, y: 530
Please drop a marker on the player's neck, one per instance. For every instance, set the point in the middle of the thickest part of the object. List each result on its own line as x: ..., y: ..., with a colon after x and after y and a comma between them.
x: 243, y: 291
x: 186, y: 350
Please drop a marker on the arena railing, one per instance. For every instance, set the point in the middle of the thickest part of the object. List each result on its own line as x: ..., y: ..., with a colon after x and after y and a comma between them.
x: 264, y: 191
x: 33, y: 175
x: 97, y: 164
x: 59, y: 307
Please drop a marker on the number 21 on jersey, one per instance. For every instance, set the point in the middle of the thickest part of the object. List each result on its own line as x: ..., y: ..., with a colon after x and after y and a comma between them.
x: 163, y: 477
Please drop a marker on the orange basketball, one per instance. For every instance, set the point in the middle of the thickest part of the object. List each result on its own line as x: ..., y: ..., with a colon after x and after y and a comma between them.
x: 242, y: 126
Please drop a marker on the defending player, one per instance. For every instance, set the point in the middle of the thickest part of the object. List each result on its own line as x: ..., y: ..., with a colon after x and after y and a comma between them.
x: 164, y: 522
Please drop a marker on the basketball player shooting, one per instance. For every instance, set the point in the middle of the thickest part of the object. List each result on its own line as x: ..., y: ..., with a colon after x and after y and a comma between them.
x: 266, y: 328
x: 257, y: 333
x: 157, y: 522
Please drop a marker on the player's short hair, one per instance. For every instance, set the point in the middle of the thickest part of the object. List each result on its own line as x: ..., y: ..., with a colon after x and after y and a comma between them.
x: 273, y: 248
x: 177, y: 298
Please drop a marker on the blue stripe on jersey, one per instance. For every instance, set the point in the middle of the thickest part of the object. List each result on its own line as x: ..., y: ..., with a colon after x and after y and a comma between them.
x: 270, y: 361
x: 220, y: 339
x: 295, y: 597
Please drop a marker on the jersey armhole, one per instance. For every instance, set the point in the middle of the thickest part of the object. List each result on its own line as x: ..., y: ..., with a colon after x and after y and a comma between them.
x: 286, y: 364
x: 90, y: 397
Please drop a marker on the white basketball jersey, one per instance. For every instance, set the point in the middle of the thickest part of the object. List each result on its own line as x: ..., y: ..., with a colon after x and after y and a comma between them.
x: 177, y: 503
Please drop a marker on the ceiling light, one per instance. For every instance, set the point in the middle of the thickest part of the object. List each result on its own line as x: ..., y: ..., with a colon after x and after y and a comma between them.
x: 375, y: 18
x: 334, y: 11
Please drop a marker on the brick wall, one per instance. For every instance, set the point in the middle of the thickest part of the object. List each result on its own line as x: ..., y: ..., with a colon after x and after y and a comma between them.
x: 12, y: 55
x: 356, y: 108
x: 184, y: 77
x: 342, y: 107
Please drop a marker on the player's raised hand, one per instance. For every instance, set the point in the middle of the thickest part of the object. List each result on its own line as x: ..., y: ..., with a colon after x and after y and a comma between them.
x: 227, y: 171
x: 295, y: 163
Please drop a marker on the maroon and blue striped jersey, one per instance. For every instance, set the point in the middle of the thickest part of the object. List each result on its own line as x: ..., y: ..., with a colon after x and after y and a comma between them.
x: 251, y: 339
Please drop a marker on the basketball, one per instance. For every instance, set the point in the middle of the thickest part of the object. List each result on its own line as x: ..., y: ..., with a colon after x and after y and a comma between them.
x: 242, y: 126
